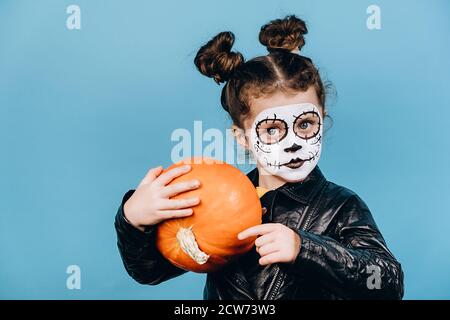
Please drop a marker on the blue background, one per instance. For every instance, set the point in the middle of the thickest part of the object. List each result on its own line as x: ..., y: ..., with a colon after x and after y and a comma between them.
x: 85, y: 113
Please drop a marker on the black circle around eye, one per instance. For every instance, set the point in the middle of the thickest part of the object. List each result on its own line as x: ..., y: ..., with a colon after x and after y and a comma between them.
x: 274, y: 120
x: 302, y: 117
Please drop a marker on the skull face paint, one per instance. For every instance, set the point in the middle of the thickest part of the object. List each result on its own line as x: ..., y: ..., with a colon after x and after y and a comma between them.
x: 287, y: 140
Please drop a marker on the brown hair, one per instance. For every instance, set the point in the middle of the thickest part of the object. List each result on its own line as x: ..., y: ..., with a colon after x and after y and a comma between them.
x: 281, y: 69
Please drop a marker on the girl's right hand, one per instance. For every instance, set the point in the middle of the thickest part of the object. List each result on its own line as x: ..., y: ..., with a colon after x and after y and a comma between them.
x: 151, y: 203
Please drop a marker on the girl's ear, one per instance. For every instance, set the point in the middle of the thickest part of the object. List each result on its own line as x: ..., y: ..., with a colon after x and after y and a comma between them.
x: 239, y: 134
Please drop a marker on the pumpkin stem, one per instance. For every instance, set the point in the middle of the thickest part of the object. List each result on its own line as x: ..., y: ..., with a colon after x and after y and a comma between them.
x: 186, y: 239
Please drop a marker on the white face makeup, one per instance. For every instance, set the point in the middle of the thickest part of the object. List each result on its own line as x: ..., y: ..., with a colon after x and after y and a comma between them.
x: 287, y: 140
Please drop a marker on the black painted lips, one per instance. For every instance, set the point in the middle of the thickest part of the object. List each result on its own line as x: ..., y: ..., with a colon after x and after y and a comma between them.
x: 294, y: 163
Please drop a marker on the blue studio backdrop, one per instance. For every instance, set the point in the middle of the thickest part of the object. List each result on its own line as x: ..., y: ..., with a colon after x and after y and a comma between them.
x: 86, y: 110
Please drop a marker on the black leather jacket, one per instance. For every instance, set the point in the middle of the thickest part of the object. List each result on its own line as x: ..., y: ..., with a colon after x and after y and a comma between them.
x: 343, y: 254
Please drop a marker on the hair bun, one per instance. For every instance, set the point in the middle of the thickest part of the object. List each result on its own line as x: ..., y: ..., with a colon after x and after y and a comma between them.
x: 285, y: 34
x: 216, y: 60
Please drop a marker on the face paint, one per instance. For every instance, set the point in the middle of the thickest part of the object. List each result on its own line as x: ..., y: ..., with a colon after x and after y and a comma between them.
x: 287, y: 140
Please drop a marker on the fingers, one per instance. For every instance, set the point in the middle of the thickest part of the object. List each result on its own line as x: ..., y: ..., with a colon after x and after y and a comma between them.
x: 271, y: 258
x: 257, y: 230
x: 170, y: 214
x: 151, y: 175
x: 176, y: 188
x: 171, y: 204
x: 265, y: 239
x: 267, y: 249
x: 168, y: 176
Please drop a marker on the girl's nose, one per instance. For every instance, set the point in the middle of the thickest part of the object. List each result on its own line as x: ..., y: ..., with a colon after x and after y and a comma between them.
x: 293, y: 148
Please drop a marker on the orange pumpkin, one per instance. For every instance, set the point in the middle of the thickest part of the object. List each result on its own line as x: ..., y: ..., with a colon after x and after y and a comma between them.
x: 207, y: 240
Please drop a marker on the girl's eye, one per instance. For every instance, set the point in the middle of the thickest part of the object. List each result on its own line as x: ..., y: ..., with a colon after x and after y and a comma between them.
x: 304, y: 125
x: 307, y: 125
x: 272, y: 131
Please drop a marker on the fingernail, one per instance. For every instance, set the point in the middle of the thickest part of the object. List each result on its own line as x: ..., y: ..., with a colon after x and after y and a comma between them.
x: 187, y: 167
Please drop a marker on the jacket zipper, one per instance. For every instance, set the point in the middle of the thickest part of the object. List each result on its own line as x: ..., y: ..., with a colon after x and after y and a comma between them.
x: 238, y: 281
x: 278, y: 280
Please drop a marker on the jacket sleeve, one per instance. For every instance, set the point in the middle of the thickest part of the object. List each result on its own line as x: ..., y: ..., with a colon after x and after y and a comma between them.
x: 356, y: 260
x: 142, y: 260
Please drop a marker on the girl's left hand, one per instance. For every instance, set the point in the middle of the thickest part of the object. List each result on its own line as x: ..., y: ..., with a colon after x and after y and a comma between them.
x: 276, y: 242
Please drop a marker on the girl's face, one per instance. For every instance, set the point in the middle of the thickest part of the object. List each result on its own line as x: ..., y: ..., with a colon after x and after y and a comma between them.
x: 284, y: 133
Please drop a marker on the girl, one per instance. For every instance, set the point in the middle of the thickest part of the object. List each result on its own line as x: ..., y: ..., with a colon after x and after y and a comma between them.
x: 318, y: 240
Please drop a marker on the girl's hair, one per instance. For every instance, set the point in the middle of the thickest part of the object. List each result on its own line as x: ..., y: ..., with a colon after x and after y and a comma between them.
x: 281, y: 69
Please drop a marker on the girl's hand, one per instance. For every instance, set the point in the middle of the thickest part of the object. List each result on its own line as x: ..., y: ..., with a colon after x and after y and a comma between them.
x: 151, y: 203
x: 276, y: 242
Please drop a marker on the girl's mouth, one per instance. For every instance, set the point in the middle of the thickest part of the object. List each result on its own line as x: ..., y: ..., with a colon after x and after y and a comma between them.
x: 294, y: 163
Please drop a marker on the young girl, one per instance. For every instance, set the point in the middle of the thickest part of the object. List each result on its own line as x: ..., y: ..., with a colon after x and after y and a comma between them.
x: 318, y: 240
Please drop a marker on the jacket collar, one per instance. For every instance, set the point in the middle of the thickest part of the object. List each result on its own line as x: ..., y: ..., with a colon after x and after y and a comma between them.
x: 303, y: 191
